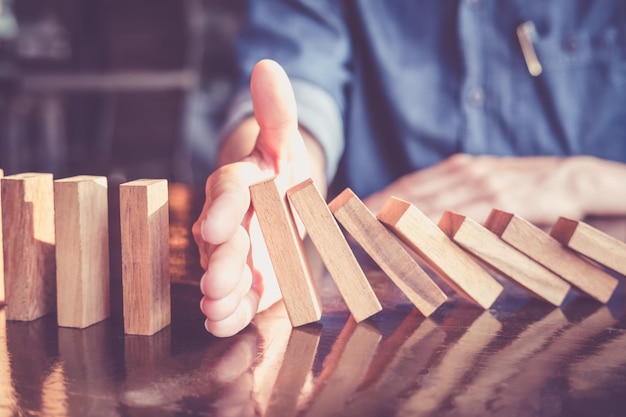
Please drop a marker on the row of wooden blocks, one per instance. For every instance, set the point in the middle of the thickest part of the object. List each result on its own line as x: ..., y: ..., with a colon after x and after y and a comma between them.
x: 55, y: 254
x: 460, y: 251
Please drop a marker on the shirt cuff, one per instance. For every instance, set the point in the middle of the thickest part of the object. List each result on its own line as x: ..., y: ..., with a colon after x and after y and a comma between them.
x: 318, y: 113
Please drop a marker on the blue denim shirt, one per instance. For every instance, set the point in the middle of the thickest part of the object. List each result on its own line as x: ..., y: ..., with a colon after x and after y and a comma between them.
x: 390, y: 87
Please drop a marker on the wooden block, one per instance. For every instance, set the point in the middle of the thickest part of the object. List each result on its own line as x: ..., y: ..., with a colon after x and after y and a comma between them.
x: 442, y: 255
x: 29, y: 239
x: 549, y: 252
x: 82, y: 250
x: 334, y: 250
x: 592, y: 243
x: 286, y: 251
x: 2, y: 297
x: 144, y: 220
x: 489, y: 248
x: 387, y: 252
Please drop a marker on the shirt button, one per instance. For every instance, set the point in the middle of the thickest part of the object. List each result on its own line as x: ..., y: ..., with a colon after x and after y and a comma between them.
x: 571, y: 44
x: 476, y: 96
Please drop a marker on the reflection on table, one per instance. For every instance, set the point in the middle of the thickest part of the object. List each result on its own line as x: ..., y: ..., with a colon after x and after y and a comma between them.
x: 521, y: 357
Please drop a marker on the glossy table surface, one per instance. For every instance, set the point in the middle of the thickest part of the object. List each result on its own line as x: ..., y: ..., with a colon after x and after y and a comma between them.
x: 520, y: 358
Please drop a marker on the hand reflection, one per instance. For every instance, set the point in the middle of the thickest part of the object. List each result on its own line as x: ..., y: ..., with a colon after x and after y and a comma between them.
x: 219, y: 376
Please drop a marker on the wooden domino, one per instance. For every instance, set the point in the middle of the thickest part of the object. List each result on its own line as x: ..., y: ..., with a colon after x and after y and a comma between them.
x: 549, y: 252
x: 286, y: 252
x: 82, y: 250
x: 1, y: 248
x: 440, y: 253
x: 518, y: 267
x: 334, y: 250
x: 29, y: 239
x: 592, y: 243
x: 144, y: 221
x: 387, y: 252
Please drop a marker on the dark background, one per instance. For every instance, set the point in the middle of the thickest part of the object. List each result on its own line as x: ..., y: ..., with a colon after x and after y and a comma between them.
x: 122, y: 88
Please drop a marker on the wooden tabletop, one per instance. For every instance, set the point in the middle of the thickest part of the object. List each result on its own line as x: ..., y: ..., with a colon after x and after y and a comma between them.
x: 523, y: 356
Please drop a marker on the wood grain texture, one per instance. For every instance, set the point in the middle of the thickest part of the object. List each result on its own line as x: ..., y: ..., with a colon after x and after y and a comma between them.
x: 591, y: 242
x: 334, y: 250
x: 2, y: 296
x: 287, y: 254
x: 387, y: 252
x: 510, y: 262
x: 82, y: 250
x: 549, y: 252
x: 144, y: 220
x: 29, y: 239
x: 441, y: 254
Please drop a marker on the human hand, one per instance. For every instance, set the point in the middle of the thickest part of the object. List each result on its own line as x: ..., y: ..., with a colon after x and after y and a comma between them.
x: 239, y: 279
x: 540, y: 189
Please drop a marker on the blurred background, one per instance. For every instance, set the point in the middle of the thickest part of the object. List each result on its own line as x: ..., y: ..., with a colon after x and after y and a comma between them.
x: 123, y: 88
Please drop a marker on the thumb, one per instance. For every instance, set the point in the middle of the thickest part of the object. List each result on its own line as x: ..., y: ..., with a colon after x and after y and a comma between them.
x: 275, y: 112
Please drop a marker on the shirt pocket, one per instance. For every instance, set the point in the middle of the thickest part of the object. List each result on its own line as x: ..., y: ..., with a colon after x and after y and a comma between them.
x: 580, y: 92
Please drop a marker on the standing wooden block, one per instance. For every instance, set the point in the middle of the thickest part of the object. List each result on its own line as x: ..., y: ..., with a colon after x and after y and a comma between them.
x: 29, y: 238
x: 334, y: 250
x: 144, y: 220
x: 440, y: 253
x: 1, y: 248
x: 82, y: 250
x: 549, y: 252
x: 387, y: 252
x: 592, y: 243
x: 286, y: 251
x: 503, y: 257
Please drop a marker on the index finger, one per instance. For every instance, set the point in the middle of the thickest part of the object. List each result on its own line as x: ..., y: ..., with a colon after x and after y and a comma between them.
x: 228, y: 199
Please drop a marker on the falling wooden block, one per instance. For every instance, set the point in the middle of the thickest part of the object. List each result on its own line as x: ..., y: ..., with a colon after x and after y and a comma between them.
x: 334, y: 250
x: 549, y: 252
x: 144, y: 220
x: 1, y: 248
x: 387, y: 252
x: 82, y: 250
x: 489, y: 248
x: 286, y: 252
x: 29, y: 239
x: 442, y: 255
x: 591, y: 242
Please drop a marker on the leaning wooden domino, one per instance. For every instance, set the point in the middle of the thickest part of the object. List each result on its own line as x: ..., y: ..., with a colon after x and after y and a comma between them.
x: 29, y: 239
x: 334, y: 250
x: 82, y: 250
x: 1, y: 248
x: 387, y: 252
x: 144, y: 220
x: 592, y: 243
x: 518, y: 267
x: 286, y: 252
x: 549, y: 252
x: 441, y: 254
